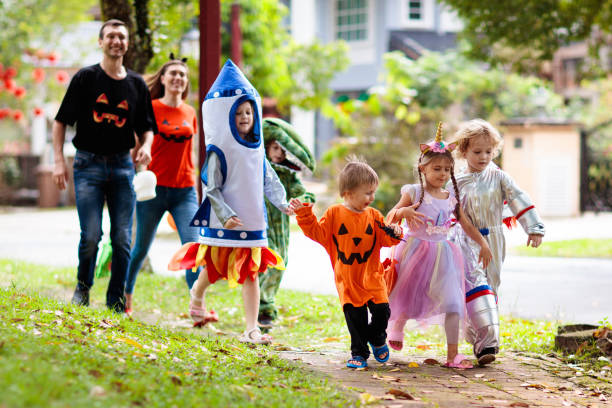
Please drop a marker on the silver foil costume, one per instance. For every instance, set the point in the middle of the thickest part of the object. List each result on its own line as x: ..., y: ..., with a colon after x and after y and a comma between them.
x: 482, y: 199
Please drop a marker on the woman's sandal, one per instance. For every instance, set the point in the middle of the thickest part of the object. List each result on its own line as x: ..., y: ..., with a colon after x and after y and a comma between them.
x: 357, y: 362
x: 254, y: 336
x: 460, y: 361
x: 379, y: 351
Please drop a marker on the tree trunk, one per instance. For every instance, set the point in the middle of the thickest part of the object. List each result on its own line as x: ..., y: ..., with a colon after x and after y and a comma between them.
x: 136, y: 17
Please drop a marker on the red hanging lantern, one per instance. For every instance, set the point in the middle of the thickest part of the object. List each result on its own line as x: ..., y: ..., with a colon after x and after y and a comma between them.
x: 38, y: 75
x: 17, y: 115
x: 19, y: 92
x: 10, y: 73
x: 38, y: 111
x: 62, y: 77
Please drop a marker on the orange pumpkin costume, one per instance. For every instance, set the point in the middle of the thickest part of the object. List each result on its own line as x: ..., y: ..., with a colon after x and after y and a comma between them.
x: 353, y: 241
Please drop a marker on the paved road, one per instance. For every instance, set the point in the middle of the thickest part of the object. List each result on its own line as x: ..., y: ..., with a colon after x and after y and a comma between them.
x: 578, y: 290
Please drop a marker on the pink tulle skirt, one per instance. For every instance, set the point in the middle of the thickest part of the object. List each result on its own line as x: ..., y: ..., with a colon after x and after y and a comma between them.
x: 429, y: 281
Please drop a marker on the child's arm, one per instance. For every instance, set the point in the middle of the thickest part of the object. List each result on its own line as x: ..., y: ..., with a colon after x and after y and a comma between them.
x: 485, y: 254
x: 213, y: 184
x: 274, y: 189
x: 318, y: 231
x: 523, y: 209
x: 388, y: 235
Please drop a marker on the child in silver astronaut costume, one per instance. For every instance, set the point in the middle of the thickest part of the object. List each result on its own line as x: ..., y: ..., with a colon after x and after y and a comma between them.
x: 483, y: 188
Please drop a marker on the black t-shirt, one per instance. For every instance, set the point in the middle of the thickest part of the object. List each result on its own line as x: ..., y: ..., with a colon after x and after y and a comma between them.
x: 107, y: 111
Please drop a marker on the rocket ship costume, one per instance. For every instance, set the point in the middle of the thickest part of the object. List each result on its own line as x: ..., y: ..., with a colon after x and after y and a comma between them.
x: 236, y: 177
x: 482, y: 196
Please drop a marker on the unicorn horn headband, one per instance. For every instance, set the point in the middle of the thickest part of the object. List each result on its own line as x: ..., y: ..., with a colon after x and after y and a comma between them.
x: 438, y: 145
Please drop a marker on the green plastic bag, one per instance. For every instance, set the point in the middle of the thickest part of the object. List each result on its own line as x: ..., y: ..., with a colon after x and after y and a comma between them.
x: 105, y: 256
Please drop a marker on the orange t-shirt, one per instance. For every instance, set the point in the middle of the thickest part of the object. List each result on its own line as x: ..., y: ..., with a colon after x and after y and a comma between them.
x: 171, y: 156
x: 353, y: 241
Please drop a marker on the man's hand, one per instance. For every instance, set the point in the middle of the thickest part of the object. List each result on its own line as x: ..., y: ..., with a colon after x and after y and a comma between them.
x: 60, y: 174
x: 233, y: 222
x: 143, y: 155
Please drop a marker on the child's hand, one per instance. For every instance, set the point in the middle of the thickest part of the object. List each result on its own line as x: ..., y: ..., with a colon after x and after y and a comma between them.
x: 233, y: 222
x: 288, y: 210
x: 534, y: 239
x: 485, y: 255
x: 295, y: 204
x: 397, y: 230
x: 412, y: 216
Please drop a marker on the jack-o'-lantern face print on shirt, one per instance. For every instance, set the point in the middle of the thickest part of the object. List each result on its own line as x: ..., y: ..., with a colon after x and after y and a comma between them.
x: 354, y: 243
x: 175, y: 132
x: 105, y: 112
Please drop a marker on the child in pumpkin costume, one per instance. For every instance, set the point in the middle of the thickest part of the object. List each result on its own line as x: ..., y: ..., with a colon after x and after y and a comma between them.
x: 288, y: 155
x: 353, y: 233
x: 236, y: 175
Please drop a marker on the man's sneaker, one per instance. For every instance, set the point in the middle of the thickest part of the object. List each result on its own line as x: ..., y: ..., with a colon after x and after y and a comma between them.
x: 486, y: 356
x: 80, y: 297
x: 117, y: 306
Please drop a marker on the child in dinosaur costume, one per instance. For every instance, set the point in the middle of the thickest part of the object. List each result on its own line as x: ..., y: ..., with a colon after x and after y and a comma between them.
x: 287, y: 155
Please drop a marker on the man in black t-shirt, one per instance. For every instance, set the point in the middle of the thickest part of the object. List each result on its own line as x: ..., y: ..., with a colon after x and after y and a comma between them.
x: 108, y: 104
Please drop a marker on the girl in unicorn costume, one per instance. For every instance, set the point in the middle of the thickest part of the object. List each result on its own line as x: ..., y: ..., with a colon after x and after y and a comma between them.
x: 483, y: 189
x: 232, y: 217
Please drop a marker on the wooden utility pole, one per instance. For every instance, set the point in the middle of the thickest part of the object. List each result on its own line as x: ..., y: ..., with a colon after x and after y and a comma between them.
x: 210, y: 60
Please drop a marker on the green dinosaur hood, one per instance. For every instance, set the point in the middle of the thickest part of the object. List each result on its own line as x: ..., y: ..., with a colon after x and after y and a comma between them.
x: 299, y: 158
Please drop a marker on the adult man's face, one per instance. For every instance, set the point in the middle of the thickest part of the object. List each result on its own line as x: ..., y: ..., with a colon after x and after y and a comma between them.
x: 114, y: 41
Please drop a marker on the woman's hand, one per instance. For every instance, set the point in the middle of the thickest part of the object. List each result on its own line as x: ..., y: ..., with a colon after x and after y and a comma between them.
x: 233, y: 222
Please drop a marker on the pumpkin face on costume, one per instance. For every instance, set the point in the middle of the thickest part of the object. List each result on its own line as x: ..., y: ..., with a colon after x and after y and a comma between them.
x: 175, y: 133
x: 359, y: 245
x: 104, y: 111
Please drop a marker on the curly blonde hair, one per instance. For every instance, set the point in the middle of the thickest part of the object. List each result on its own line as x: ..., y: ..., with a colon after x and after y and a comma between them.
x: 475, y: 128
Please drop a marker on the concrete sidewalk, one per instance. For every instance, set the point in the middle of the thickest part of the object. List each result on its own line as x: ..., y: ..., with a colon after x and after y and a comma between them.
x: 549, y: 288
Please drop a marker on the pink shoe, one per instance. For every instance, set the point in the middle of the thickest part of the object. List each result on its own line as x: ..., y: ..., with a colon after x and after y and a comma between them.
x: 199, y: 314
x: 460, y: 361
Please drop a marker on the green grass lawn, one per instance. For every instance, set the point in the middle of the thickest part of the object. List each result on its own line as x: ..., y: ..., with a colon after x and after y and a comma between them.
x: 56, y: 354
x: 576, y: 248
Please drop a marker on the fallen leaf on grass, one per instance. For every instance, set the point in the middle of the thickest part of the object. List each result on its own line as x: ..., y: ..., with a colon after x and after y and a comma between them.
x: 176, y: 380
x: 395, y: 369
x: 519, y: 404
x: 400, y: 394
x: 412, y: 364
x: 478, y: 375
x: 17, y: 319
x: 431, y: 361
x: 95, y: 373
x: 536, y: 386
x: 423, y: 346
x: 331, y: 339
x: 566, y: 403
x: 106, y: 324
x: 128, y: 341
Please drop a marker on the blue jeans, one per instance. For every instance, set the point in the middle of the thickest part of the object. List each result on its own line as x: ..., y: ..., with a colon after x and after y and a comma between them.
x: 182, y: 203
x: 97, y: 179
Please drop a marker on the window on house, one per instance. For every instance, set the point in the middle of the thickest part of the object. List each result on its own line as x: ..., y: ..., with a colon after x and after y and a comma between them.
x: 352, y: 20
x: 415, y: 10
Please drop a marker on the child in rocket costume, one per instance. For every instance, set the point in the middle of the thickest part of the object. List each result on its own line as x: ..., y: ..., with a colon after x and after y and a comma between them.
x: 232, y: 217
x: 483, y: 189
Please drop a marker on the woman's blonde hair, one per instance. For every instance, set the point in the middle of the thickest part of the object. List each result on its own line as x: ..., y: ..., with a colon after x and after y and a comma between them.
x: 356, y: 173
x: 156, y: 88
x: 475, y: 128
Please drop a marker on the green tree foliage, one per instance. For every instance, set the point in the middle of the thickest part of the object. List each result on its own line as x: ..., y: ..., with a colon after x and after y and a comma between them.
x: 22, y: 21
x: 387, y: 125
x: 536, y: 28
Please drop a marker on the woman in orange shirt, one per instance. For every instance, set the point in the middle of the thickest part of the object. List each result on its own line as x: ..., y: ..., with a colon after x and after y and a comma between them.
x: 172, y: 163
